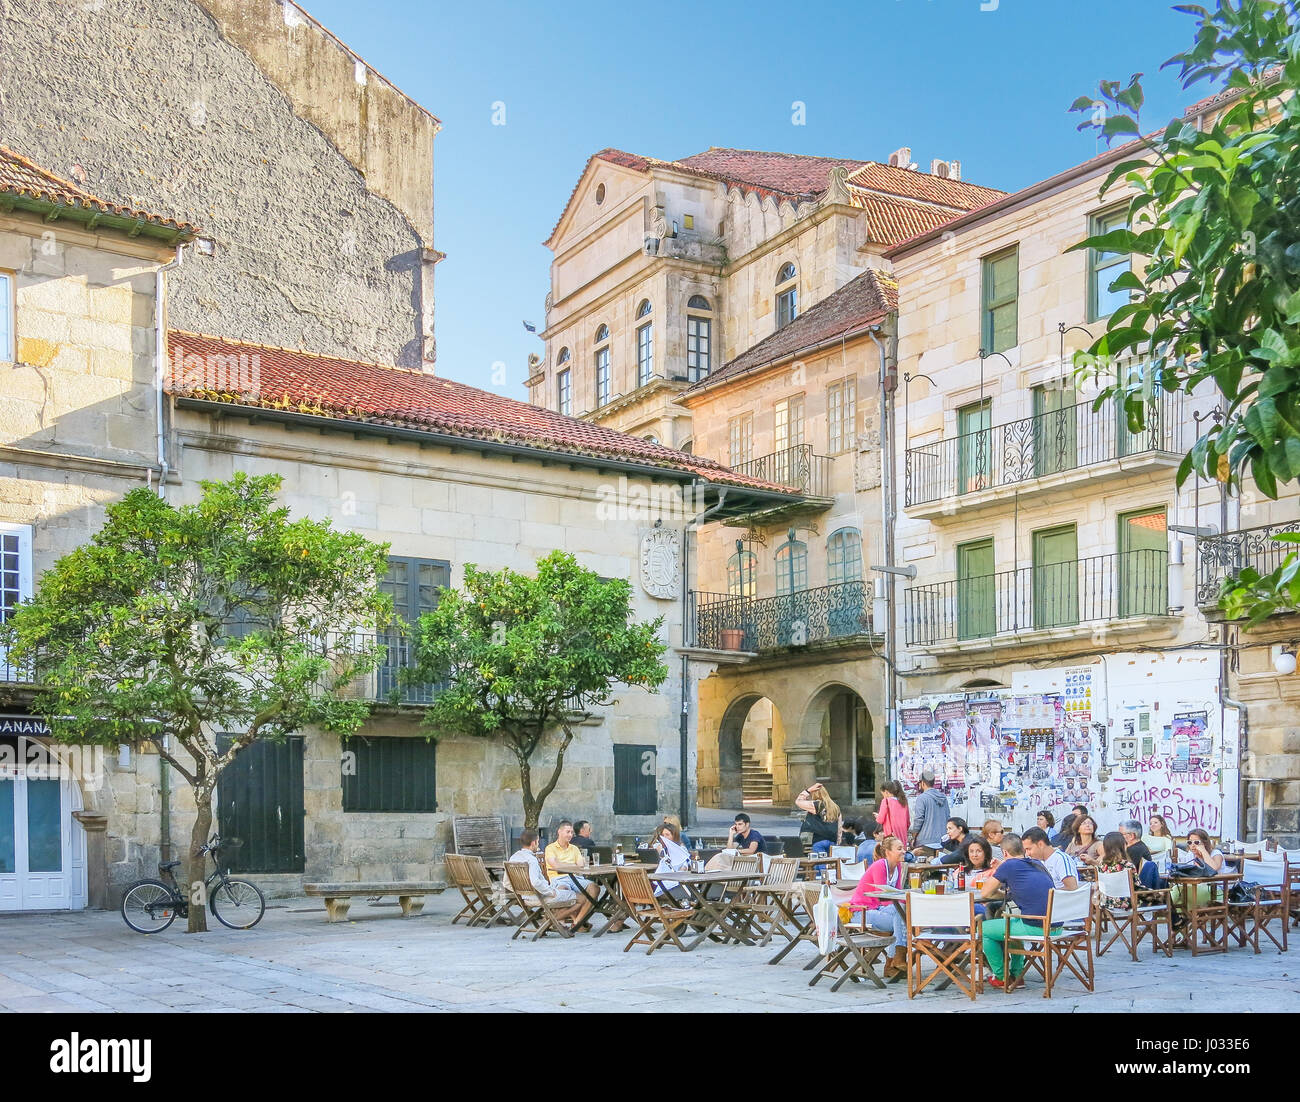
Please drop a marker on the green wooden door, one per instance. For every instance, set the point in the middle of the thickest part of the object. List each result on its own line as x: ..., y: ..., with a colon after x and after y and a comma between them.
x: 974, y: 446
x: 1055, y: 436
x: 1143, y: 581
x: 260, y: 803
x: 1056, y: 579
x: 976, y: 606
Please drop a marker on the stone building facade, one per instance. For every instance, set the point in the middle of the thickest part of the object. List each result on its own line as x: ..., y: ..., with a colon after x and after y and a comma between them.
x: 311, y: 175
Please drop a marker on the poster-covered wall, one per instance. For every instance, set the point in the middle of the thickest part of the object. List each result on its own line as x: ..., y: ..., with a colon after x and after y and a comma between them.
x: 1129, y: 735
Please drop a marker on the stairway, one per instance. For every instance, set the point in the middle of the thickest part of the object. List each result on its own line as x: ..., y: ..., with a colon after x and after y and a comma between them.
x: 755, y: 784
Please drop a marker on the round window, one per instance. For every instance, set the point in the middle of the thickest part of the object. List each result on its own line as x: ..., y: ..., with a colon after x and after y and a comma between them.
x: 600, y: 194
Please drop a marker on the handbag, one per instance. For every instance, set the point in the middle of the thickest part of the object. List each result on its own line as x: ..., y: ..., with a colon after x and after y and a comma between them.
x: 1243, y: 891
x: 1194, y: 869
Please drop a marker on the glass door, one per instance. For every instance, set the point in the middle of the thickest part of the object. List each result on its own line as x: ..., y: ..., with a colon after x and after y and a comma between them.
x: 1143, y: 563
x: 35, y: 831
x: 1056, y: 580
x: 976, y: 607
x: 974, y: 446
x: 1055, y: 435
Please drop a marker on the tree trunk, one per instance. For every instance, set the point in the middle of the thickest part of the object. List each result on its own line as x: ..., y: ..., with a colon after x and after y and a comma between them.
x: 532, y: 807
x: 196, y: 863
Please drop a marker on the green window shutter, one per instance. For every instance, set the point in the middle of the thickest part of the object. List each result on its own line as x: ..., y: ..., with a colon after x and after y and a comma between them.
x: 635, y: 780
x: 1056, y: 577
x: 390, y: 774
x: 1000, y: 289
x: 1056, y: 445
x: 1143, y: 563
x: 976, y: 599
x: 974, y: 446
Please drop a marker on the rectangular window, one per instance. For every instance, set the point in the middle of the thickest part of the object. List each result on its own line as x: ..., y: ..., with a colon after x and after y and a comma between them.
x: 787, y: 307
x: 1105, y: 267
x: 841, y: 415
x: 645, y: 354
x: 699, y: 334
x: 1056, y: 577
x: 976, y: 606
x: 1001, y: 287
x: 564, y: 392
x: 974, y: 446
x: 389, y: 774
x: 740, y: 431
x: 688, y: 221
x: 1144, y: 563
x: 7, y: 351
x: 789, y: 422
x: 602, y: 378
x: 636, y: 771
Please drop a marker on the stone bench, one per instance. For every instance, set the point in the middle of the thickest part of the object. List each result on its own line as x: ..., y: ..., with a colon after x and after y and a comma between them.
x: 338, y: 897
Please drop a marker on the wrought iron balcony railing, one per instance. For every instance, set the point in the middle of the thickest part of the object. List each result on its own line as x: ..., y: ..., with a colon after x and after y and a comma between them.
x: 720, y: 621
x: 1082, y: 591
x: 1049, y: 443
x: 798, y: 467
x: 1219, y: 557
x: 13, y: 672
x: 379, y: 684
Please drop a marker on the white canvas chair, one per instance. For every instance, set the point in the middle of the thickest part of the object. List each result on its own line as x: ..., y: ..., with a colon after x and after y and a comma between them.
x: 1269, y: 903
x: 851, y: 874
x: 943, y: 929
x: 1146, y: 910
x: 1065, y: 941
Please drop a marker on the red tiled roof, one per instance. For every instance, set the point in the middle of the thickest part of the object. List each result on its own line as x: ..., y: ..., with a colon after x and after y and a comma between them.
x: 890, y: 220
x: 351, y: 390
x: 1223, y: 95
x: 865, y: 299
x: 798, y: 176
x: 19, y: 176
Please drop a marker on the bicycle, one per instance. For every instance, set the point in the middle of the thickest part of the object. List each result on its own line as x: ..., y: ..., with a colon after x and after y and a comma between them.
x: 150, y: 906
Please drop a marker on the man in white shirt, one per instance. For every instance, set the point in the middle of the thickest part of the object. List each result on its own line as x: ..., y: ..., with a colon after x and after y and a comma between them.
x: 1065, y: 873
x: 561, y: 894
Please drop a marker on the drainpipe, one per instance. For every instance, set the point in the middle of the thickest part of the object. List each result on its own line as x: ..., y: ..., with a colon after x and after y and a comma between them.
x: 887, y: 516
x: 160, y: 362
x: 683, y: 724
x: 164, y: 810
x: 1243, y: 730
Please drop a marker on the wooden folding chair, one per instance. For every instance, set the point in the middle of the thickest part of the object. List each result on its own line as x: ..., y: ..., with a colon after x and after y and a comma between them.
x: 460, y: 878
x: 942, y: 928
x: 757, y: 906
x: 539, y: 914
x: 854, y: 954
x: 648, y: 911
x: 1147, y: 909
x: 1269, y: 903
x: 497, y: 903
x: 1064, y: 942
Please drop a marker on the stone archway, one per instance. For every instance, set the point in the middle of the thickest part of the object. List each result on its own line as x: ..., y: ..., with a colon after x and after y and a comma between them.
x: 750, y: 728
x: 838, y: 745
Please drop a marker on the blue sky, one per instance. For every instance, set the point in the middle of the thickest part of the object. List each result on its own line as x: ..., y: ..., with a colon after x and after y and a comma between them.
x: 987, y: 88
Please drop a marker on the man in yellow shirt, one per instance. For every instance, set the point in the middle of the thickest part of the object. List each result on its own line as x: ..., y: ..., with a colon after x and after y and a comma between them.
x: 563, y: 852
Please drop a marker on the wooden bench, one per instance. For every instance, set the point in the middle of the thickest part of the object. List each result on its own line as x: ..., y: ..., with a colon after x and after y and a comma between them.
x: 338, y: 897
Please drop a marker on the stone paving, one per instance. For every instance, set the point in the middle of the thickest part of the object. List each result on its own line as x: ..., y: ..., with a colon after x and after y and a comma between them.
x: 295, y: 961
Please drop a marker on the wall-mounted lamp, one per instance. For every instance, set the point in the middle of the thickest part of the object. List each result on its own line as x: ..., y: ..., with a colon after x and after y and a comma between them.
x: 1284, y: 658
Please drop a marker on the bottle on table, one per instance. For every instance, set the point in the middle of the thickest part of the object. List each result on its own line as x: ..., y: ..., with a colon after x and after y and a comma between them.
x: 618, y: 853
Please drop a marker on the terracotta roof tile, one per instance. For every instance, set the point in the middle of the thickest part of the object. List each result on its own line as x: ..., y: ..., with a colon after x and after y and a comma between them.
x: 865, y: 299
x: 891, y: 220
x: 792, y: 174
x: 907, y: 182
x: 352, y: 390
x: 19, y: 176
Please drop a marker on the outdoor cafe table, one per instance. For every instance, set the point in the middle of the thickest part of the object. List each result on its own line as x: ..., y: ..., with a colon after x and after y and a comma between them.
x: 712, y: 914
x: 607, y: 901
x: 807, y: 864
x: 1218, y: 900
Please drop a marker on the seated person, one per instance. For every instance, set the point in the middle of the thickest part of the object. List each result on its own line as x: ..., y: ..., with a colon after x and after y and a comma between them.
x: 561, y: 894
x: 993, y: 831
x: 867, y: 847
x: 675, y: 821
x: 1059, y: 864
x: 673, y: 857
x: 1200, y: 847
x: 582, y: 837
x: 1158, y: 838
x: 1026, y: 883
x: 1065, y: 835
x: 563, y: 852
x: 1114, y: 858
x: 744, y: 837
x: 1131, y: 831
x: 957, y: 833
x: 880, y: 914
x: 1086, y: 846
x: 823, y: 819
x: 977, y: 860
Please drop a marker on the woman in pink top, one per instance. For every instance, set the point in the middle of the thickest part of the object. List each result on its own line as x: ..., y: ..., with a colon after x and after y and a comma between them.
x: 880, y: 914
x: 892, y: 814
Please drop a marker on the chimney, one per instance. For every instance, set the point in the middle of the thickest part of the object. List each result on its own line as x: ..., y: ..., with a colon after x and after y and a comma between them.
x: 901, y: 158
x: 946, y: 170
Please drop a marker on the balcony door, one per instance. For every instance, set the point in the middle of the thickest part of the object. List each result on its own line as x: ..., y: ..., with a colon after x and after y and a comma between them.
x: 974, y: 446
x: 976, y: 607
x: 1143, y: 563
x: 414, y: 585
x: 1056, y: 579
x: 1056, y: 446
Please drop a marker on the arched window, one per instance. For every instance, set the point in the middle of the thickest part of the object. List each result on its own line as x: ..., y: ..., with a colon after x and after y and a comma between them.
x: 645, y: 346
x: 602, y: 366
x: 742, y: 573
x: 844, y: 556
x: 563, y: 357
x: 791, y: 567
x: 699, y: 338
x: 787, y: 295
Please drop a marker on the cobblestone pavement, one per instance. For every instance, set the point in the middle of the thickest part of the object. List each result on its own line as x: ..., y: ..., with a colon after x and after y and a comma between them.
x: 295, y: 961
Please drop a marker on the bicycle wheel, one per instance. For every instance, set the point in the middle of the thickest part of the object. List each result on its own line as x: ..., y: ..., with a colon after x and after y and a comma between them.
x: 238, y: 904
x: 149, y: 907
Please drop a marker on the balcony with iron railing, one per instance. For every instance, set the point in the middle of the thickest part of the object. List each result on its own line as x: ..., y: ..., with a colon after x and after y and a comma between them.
x: 1225, y: 555
x: 801, y: 469
x: 1036, y: 453
x: 1036, y: 602
x: 829, y: 613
